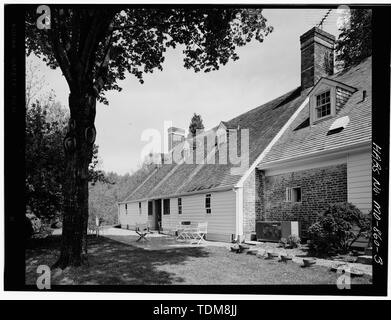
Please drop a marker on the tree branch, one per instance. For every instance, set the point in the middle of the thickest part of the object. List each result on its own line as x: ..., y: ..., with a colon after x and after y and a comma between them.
x: 59, y: 52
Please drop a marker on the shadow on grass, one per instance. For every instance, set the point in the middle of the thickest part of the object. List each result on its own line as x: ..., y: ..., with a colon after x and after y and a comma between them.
x: 110, y: 263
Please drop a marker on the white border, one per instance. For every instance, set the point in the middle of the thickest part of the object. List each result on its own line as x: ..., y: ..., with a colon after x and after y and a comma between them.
x: 142, y: 296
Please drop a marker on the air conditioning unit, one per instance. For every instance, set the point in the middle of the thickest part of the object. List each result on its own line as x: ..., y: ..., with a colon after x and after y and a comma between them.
x: 275, y: 230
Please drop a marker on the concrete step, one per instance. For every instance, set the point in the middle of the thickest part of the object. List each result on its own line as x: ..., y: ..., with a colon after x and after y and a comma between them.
x: 364, y: 259
x: 368, y: 252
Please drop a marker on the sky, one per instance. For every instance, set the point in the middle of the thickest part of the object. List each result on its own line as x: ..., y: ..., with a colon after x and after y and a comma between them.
x: 263, y: 72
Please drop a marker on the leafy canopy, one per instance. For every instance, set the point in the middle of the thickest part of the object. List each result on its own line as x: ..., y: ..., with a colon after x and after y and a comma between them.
x: 337, y: 228
x: 355, y: 40
x: 98, y: 46
x: 195, y: 124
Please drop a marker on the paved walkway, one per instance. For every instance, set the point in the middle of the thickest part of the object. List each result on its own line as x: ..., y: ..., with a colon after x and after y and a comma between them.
x: 156, y: 241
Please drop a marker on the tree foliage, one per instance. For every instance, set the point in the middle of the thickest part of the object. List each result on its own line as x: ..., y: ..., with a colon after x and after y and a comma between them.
x: 103, y: 197
x: 45, y: 161
x: 98, y: 46
x: 337, y: 228
x: 195, y: 124
x: 355, y: 40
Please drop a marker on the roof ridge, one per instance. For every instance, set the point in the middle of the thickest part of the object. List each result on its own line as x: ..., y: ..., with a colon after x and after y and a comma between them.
x: 264, y: 104
x: 343, y: 71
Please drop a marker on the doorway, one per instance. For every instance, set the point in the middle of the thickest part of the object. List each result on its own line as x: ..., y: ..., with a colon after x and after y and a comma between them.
x: 158, y: 214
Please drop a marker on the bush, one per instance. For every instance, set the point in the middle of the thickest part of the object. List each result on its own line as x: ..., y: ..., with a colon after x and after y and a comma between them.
x: 283, y: 242
x: 293, y: 241
x: 337, y: 228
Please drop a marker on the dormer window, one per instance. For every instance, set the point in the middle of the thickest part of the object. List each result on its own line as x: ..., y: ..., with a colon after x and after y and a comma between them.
x: 323, y: 105
x: 327, y: 98
x: 221, y: 136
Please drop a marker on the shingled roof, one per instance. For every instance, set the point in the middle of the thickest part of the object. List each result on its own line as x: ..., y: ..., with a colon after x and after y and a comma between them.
x: 263, y: 123
x: 303, y: 140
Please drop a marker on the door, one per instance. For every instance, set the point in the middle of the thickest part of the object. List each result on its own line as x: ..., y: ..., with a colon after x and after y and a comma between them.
x: 151, y: 219
x: 158, y: 214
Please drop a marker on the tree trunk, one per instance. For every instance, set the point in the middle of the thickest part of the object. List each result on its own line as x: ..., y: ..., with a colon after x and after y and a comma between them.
x: 78, y: 145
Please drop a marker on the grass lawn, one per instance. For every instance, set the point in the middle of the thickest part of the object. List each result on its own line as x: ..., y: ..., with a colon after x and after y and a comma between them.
x: 115, y: 263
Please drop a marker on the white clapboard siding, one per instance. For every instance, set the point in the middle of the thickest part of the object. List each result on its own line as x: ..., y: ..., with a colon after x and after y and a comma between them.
x: 130, y: 217
x: 359, y: 176
x: 221, y: 222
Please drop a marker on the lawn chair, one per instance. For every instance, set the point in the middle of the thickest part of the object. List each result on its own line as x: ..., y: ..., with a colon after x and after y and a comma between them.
x: 200, y: 232
x: 142, y: 229
x: 183, y: 229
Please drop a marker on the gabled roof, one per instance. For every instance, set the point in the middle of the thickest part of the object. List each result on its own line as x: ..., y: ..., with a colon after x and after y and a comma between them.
x: 263, y: 123
x: 301, y: 140
x: 331, y: 82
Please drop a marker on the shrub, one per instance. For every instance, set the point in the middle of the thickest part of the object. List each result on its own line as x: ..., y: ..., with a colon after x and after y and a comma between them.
x: 293, y: 241
x: 283, y: 242
x: 337, y: 228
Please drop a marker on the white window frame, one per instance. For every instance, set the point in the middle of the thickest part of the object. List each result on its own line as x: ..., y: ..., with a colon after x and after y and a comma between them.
x: 289, y: 194
x: 313, y: 105
x: 169, y: 207
x: 317, y: 107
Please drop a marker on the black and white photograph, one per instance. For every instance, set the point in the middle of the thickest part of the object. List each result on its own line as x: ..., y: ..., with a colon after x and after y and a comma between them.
x: 196, y: 147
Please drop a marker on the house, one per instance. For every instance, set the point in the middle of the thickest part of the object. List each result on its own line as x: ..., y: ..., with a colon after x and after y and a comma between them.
x: 305, y: 149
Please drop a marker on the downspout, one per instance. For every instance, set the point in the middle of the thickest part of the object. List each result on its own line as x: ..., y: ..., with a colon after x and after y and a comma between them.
x: 238, y: 188
x: 239, y: 213
x: 118, y: 211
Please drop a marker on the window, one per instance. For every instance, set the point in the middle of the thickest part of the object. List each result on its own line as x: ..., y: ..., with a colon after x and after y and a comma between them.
x: 139, y: 208
x: 126, y: 208
x: 166, y: 206
x: 207, y: 203
x: 323, y: 105
x: 150, y: 208
x: 293, y: 194
x: 179, y: 205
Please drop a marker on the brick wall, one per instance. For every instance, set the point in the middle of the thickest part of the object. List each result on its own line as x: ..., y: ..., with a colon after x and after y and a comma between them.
x: 319, y: 187
x: 342, y: 96
x: 252, y: 195
x: 317, y: 46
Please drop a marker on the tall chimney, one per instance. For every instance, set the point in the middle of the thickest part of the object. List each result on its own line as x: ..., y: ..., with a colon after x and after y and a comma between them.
x: 175, y: 136
x: 317, y: 56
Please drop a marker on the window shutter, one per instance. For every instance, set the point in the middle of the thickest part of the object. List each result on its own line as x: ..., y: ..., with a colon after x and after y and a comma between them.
x: 288, y: 195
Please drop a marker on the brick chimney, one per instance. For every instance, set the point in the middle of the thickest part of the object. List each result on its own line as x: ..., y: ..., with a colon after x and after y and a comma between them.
x: 317, y: 56
x: 175, y: 136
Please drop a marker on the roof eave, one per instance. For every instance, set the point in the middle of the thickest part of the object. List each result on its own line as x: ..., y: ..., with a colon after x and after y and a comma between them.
x: 336, y: 82
x: 315, y: 155
x: 182, y: 194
